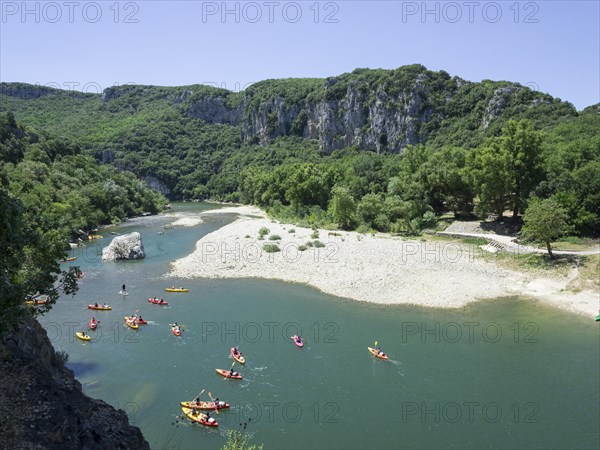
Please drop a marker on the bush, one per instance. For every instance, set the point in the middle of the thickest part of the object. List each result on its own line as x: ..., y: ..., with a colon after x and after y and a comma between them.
x: 318, y: 244
x: 302, y: 248
x: 271, y: 248
x: 247, y: 236
x: 263, y: 231
x: 429, y: 220
x: 261, y: 237
x: 309, y: 244
x: 315, y: 234
x: 292, y: 230
x: 274, y: 237
x: 363, y: 229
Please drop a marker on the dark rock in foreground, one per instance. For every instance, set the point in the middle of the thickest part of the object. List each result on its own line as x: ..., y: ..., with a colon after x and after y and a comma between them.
x: 42, y: 405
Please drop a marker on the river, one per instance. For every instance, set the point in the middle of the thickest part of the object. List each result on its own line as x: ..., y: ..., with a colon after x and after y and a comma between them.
x: 507, y: 373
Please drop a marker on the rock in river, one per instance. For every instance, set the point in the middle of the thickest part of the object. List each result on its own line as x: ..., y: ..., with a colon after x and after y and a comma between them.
x: 128, y: 246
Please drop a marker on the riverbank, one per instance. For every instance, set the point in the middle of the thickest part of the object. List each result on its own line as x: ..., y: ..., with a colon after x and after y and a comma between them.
x: 373, y: 268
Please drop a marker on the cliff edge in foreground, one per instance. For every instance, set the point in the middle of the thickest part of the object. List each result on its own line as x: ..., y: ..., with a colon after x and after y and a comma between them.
x: 42, y: 405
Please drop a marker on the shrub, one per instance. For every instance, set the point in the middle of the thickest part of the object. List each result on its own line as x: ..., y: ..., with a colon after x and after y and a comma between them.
x: 292, y: 230
x: 429, y: 220
x: 263, y: 231
x: 261, y: 237
x: 247, y: 236
x: 309, y: 244
x: 315, y: 234
x: 363, y: 229
x: 302, y: 248
x: 271, y: 248
x: 274, y: 237
x: 318, y: 244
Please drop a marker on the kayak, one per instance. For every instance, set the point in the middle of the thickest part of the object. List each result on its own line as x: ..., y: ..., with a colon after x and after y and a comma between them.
x: 176, y: 331
x: 36, y: 302
x: 73, y: 258
x: 298, y: 341
x: 239, y: 357
x: 123, y: 293
x: 598, y: 318
x: 83, y: 337
x: 204, y: 405
x: 157, y: 302
x: 225, y: 373
x: 141, y: 321
x: 199, y: 417
x: 100, y: 307
x: 131, y: 324
x: 377, y: 354
x: 176, y: 290
x: 93, y: 325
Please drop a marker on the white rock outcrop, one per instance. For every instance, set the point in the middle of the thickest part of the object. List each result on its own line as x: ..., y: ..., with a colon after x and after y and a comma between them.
x: 128, y: 246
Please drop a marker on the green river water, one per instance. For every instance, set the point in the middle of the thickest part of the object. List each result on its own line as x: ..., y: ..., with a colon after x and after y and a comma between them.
x: 508, y: 373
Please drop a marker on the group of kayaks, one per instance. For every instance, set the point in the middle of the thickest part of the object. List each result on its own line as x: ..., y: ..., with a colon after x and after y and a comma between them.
x: 133, y: 321
x: 192, y: 409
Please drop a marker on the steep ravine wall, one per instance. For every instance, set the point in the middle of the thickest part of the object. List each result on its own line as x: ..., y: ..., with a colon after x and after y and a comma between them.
x: 42, y: 405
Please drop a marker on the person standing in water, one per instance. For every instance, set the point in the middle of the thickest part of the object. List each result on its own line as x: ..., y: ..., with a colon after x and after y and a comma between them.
x: 123, y: 287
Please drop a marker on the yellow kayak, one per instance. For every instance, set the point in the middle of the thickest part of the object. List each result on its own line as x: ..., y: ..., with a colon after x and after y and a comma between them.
x: 131, y: 324
x: 176, y: 290
x: 83, y: 337
x: 199, y: 417
x: 35, y: 302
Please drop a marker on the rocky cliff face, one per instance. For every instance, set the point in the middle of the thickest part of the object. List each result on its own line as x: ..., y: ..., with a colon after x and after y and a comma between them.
x: 371, y: 110
x: 42, y: 405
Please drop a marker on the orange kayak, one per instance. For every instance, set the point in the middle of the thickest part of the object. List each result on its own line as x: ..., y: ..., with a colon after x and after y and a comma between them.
x: 378, y: 354
x: 225, y: 373
x: 100, y: 307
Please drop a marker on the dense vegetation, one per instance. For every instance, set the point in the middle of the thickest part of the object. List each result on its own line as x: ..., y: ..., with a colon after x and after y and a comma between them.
x: 487, y: 147
x: 49, y: 191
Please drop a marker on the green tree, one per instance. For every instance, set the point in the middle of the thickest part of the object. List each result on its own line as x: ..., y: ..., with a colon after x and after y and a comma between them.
x: 544, y: 222
x: 237, y: 440
x: 369, y: 207
x: 488, y: 170
x: 342, y: 207
x: 522, y: 144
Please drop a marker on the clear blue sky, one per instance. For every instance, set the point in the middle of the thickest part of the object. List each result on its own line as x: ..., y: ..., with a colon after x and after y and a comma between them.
x: 553, y: 46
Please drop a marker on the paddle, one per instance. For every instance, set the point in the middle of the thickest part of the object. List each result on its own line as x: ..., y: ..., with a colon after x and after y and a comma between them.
x: 198, y: 396
x: 213, y: 400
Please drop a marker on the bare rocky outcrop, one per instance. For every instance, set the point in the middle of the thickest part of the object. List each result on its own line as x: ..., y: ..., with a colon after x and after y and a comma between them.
x: 127, y: 246
x: 42, y: 405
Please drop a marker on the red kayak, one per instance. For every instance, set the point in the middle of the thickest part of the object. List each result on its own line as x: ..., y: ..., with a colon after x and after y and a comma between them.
x: 93, y: 324
x: 226, y: 374
x: 157, y: 302
x: 378, y: 353
x: 141, y: 321
x: 298, y: 341
x: 176, y: 331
